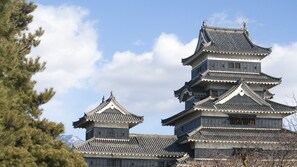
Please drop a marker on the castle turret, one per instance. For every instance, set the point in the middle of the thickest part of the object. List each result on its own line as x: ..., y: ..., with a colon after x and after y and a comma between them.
x: 109, y: 143
x: 109, y: 120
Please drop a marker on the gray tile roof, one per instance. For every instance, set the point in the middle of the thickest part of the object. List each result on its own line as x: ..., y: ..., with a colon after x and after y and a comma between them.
x: 251, y: 103
x: 246, y: 135
x: 137, y: 145
x: 227, y: 77
x: 268, y: 94
x: 274, y: 107
x: 226, y: 41
x: 114, y: 117
x: 209, y: 105
x: 187, y: 88
x: 109, y: 117
x: 112, y: 114
x: 231, y: 40
x: 249, y: 78
x: 104, y: 103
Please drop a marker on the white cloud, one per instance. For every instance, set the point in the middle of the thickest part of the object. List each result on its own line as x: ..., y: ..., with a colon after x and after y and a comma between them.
x: 282, y: 63
x: 145, y: 82
x: 69, y: 46
x: 139, y: 43
x: 223, y: 19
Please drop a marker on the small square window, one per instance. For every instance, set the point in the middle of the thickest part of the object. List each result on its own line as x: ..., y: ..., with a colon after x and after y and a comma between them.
x: 231, y: 65
x: 214, y: 93
x: 237, y: 65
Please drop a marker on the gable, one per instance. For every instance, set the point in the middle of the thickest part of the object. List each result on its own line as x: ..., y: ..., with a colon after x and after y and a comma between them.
x: 112, y: 111
x: 244, y: 94
x: 241, y: 100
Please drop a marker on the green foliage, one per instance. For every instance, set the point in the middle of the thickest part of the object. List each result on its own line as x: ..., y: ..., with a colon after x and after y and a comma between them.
x: 25, y: 139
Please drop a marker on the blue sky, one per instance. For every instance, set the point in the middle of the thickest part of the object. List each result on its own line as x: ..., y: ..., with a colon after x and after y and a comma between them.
x: 134, y: 49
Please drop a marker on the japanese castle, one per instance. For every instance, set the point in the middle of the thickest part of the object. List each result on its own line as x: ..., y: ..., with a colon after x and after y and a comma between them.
x: 228, y: 107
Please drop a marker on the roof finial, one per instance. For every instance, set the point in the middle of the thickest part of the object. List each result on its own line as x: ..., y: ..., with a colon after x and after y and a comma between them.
x: 244, y: 25
x: 204, y: 23
x: 103, y: 98
x: 111, y: 94
x: 241, y: 80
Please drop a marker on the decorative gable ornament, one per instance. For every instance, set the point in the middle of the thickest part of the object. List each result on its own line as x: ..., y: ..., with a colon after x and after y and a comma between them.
x: 241, y: 89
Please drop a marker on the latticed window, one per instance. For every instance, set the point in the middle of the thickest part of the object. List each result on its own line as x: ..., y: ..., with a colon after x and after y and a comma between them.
x: 233, y: 65
x: 242, y: 120
x: 237, y: 65
x: 111, y: 133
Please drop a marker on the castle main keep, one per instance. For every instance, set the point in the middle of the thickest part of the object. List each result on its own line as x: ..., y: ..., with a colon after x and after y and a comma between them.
x: 228, y: 110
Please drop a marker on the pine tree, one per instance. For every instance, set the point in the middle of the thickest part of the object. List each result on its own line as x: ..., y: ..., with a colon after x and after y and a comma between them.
x: 25, y: 138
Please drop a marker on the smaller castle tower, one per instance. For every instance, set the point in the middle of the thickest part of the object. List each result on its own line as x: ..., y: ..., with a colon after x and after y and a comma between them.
x: 109, y: 143
x: 108, y: 121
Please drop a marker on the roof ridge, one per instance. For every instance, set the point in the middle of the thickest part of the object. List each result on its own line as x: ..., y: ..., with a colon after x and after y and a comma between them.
x: 107, y: 102
x: 227, y: 93
x: 203, y: 100
x: 110, y: 139
x: 119, y: 114
x: 167, y: 121
x: 238, y: 128
x: 150, y: 135
x: 261, y: 100
x: 223, y: 28
x: 278, y: 103
x: 279, y: 78
x: 255, y: 45
x: 233, y: 72
x: 84, y: 142
x: 99, y: 107
x: 195, y: 131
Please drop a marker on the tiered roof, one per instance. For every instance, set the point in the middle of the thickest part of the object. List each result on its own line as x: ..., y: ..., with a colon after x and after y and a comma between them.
x: 272, y: 108
x: 239, y: 135
x: 188, y: 90
x: 238, y: 99
x: 233, y: 77
x: 226, y: 77
x: 109, y: 111
x: 138, y: 145
x: 226, y: 41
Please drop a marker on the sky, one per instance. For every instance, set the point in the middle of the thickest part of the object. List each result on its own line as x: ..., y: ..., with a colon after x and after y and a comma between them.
x: 134, y: 49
